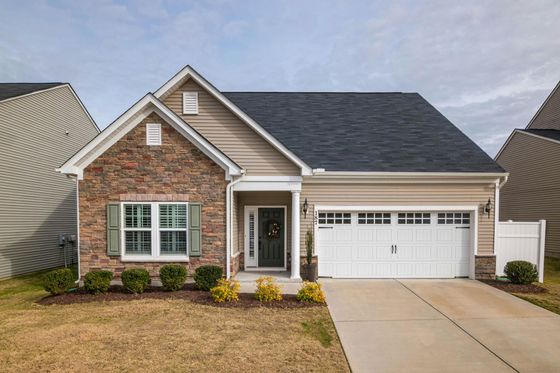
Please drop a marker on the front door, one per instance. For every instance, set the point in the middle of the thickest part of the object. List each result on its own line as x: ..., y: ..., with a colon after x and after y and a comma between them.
x: 271, y: 237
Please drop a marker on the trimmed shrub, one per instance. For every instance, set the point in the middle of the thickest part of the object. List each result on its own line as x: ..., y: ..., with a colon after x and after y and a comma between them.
x: 173, y: 276
x: 521, y: 272
x: 58, y: 281
x: 206, y: 277
x: 135, y: 280
x: 267, y: 290
x: 98, y: 282
x: 311, y: 292
x: 225, y: 291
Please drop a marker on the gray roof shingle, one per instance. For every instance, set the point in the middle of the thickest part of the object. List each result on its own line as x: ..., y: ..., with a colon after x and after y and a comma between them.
x: 548, y: 133
x: 9, y: 90
x: 385, y: 132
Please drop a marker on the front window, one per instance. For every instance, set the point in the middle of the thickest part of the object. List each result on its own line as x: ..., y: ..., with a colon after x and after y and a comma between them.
x: 153, y: 230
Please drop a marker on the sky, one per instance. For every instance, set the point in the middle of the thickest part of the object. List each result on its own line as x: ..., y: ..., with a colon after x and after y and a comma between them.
x: 486, y: 65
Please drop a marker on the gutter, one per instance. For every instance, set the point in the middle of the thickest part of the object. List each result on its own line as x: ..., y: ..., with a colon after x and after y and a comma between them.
x: 229, y: 209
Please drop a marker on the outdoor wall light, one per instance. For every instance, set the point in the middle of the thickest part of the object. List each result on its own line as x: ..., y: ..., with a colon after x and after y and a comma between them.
x: 305, y: 208
x: 488, y: 207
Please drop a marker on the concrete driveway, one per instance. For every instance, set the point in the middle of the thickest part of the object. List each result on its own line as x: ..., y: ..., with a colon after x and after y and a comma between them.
x: 441, y: 326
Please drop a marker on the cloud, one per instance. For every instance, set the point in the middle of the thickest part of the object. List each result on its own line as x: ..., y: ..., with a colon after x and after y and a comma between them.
x: 486, y: 65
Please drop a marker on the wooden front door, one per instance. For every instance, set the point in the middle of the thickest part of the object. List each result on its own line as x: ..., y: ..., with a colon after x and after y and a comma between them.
x: 271, y: 237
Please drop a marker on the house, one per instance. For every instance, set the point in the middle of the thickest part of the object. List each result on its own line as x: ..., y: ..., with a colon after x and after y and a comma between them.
x: 41, y: 125
x: 189, y: 174
x: 532, y: 157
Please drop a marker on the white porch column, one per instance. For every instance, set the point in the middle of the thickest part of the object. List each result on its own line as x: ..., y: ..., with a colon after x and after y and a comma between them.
x: 295, y: 235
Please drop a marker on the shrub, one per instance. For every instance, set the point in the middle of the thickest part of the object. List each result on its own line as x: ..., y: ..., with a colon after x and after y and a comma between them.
x: 311, y: 292
x: 172, y: 276
x: 206, y: 277
x: 267, y: 290
x: 521, y: 272
x: 58, y: 281
x: 226, y: 291
x: 97, y: 282
x: 135, y: 280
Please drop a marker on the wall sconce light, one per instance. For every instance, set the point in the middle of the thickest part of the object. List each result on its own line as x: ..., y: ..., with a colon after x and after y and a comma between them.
x: 305, y: 208
x: 488, y: 207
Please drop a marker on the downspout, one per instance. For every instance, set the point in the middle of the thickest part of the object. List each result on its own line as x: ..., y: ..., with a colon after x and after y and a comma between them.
x: 229, y: 209
x: 78, y: 225
x: 497, y: 188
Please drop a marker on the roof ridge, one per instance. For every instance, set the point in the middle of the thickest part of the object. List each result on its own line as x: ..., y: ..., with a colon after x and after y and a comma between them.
x: 34, y: 83
x: 322, y: 92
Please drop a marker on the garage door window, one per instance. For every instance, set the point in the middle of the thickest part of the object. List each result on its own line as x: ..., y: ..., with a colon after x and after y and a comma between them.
x: 454, y: 218
x: 374, y: 218
x: 335, y: 218
x: 414, y: 218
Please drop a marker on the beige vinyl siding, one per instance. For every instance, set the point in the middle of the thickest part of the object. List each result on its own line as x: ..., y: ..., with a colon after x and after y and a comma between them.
x: 232, y: 136
x: 549, y: 115
x: 264, y: 199
x: 532, y: 191
x: 403, y: 195
x: 37, y: 203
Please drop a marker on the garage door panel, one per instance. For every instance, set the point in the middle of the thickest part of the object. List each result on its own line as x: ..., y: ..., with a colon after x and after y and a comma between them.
x: 421, y: 247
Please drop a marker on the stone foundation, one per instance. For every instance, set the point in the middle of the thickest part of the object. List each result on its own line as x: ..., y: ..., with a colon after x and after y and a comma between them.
x: 485, y: 267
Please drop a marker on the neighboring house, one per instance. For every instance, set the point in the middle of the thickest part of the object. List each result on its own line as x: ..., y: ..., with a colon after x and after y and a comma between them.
x: 532, y: 157
x: 41, y: 125
x: 190, y: 174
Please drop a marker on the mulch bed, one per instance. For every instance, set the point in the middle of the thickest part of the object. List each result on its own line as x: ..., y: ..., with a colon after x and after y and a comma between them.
x: 515, y: 288
x: 117, y: 293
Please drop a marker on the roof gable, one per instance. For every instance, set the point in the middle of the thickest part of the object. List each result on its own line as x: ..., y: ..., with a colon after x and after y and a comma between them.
x: 189, y: 73
x: 129, y: 120
x: 548, y: 115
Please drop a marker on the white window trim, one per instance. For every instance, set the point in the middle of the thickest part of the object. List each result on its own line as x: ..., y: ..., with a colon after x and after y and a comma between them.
x: 155, y: 229
x: 196, y: 102
x: 158, y: 127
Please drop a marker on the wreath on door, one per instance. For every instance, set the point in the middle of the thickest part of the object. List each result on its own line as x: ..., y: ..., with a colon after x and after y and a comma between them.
x: 273, y: 229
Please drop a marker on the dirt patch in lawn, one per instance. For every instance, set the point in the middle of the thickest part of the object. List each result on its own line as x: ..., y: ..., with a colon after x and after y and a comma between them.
x: 117, y: 293
x: 516, y: 288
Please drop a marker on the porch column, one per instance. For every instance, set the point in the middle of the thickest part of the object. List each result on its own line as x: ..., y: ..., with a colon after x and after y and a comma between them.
x: 295, y: 235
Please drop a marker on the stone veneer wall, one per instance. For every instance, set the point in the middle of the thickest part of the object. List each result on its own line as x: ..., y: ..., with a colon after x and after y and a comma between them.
x: 131, y: 170
x: 485, y: 267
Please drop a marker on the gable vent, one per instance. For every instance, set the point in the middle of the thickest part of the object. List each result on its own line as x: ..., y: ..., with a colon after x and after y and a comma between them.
x: 190, y: 102
x: 153, y: 134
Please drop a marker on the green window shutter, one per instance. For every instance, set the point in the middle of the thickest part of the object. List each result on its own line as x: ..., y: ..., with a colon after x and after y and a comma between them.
x: 195, y: 231
x: 113, y: 229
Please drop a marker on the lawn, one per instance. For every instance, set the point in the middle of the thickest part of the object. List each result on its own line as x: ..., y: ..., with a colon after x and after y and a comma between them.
x: 152, y: 335
x: 550, y: 299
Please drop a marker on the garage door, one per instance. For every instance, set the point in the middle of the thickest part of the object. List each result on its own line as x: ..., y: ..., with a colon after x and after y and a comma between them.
x: 419, y: 244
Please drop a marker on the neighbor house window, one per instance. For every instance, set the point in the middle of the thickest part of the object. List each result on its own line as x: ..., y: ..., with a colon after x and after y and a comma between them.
x: 155, y: 229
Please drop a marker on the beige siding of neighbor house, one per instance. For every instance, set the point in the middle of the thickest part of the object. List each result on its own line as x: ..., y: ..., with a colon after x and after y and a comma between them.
x: 36, y: 202
x: 533, y: 190
x: 231, y: 135
x: 548, y: 117
x: 403, y: 195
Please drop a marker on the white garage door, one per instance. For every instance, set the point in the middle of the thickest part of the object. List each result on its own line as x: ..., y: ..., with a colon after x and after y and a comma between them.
x: 419, y: 244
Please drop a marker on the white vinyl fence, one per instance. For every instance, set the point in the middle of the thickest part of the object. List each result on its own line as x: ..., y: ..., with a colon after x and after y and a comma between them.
x: 520, y: 241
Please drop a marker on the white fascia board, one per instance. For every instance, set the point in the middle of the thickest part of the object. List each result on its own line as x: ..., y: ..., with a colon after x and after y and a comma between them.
x: 404, y: 177
x: 267, y: 186
x: 392, y: 208
x: 189, y: 72
x: 130, y: 119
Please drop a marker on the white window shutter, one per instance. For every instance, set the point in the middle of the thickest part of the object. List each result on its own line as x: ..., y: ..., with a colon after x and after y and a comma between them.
x: 190, y: 102
x: 153, y: 133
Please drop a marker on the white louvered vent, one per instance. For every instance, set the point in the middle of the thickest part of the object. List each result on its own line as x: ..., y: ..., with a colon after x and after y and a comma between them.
x: 153, y: 134
x: 190, y: 102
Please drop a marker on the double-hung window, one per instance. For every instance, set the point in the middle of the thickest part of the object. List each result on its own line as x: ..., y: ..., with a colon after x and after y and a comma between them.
x: 154, y: 231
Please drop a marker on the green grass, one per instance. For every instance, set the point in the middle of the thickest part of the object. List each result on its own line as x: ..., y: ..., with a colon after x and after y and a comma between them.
x: 319, y: 329
x: 551, y: 299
